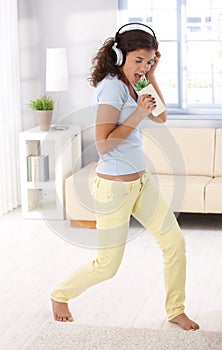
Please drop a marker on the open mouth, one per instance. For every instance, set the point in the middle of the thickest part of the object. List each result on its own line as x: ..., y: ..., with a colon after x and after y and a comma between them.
x: 138, y: 76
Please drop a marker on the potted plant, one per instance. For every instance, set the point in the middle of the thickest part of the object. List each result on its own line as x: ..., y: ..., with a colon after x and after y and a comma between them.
x: 142, y: 83
x: 143, y: 86
x: 44, y: 107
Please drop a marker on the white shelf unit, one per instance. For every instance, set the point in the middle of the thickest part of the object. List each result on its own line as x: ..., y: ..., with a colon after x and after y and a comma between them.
x: 46, y: 199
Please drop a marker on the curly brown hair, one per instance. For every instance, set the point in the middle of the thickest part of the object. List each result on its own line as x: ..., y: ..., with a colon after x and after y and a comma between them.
x: 103, y: 63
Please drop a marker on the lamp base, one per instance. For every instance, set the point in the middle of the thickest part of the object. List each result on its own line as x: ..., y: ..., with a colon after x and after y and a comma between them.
x: 58, y: 127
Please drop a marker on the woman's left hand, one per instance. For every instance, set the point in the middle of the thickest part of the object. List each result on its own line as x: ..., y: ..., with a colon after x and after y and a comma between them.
x: 153, y: 67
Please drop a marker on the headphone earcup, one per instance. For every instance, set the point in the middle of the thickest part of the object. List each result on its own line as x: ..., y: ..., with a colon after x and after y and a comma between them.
x: 118, y: 55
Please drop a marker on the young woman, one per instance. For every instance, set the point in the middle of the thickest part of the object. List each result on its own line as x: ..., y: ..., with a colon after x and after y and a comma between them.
x: 123, y: 187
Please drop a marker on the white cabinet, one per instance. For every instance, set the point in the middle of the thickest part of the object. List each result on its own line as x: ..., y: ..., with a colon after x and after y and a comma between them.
x: 43, y: 182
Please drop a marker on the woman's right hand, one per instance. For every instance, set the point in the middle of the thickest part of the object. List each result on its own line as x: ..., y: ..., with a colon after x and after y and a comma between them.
x: 146, y: 104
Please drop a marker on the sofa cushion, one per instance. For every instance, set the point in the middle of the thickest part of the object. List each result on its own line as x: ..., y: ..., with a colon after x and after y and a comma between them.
x: 213, y: 196
x: 179, y: 151
x: 79, y: 202
x: 183, y: 193
x: 218, y: 153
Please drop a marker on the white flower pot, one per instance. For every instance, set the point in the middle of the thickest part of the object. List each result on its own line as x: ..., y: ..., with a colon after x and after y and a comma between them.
x: 45, y: 119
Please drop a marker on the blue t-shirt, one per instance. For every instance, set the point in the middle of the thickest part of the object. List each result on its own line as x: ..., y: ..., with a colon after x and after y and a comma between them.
x: 128, y: 157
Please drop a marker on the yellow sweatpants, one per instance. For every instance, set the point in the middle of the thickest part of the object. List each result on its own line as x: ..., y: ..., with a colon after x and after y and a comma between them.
x: 115, y: 202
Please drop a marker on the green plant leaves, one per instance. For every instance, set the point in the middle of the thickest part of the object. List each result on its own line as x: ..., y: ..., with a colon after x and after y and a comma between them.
x: 44, y: 103
x: 142, y: 83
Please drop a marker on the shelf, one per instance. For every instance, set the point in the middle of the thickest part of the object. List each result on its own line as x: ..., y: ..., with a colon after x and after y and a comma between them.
x: 46, y: 199
x: 45, y: 210
x: 48, y: 185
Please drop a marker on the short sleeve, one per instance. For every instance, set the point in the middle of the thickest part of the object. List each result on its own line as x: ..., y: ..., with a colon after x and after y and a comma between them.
x: 112, y: 92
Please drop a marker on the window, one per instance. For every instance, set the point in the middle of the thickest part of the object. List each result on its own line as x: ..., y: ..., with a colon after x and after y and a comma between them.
x: 190, y: 37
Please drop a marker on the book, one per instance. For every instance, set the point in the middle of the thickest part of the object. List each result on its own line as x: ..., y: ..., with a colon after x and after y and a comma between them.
x: 29, y: 169
x: 44, y: 168
x: 38, y: 168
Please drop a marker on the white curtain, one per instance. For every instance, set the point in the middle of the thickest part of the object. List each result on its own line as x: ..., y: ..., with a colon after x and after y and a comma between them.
x: 10, y: 106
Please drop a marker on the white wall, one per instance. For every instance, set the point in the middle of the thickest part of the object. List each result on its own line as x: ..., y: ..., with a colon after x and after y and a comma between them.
x: 80, y: 27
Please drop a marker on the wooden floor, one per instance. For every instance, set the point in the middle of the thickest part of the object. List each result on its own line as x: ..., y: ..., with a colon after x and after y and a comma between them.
x: 34, y: 259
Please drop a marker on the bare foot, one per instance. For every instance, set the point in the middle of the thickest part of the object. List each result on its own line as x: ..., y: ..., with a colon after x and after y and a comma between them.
x: 61, y: 311
x: 184, y: 322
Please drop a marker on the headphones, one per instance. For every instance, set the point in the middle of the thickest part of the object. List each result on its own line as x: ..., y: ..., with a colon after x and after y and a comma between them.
x: 119, y: 56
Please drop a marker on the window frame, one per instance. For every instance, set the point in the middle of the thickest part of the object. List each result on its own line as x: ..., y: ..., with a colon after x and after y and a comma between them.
x: 181, y: 110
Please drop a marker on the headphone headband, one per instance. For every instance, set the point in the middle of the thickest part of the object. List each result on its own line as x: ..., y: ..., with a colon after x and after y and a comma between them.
x: 119, y: 55
x: 134, y: 23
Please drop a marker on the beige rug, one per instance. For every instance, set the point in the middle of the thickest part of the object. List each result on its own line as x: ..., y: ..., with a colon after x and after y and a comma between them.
x: 56, y: 336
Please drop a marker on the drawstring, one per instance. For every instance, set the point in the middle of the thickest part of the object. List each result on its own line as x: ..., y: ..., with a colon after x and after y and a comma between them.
x: 142, y: 180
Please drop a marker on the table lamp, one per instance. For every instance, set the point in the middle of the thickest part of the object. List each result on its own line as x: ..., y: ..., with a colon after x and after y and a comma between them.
x: 57, y: 78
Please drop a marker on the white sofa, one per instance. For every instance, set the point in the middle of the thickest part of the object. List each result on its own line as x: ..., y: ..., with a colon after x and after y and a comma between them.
x: 186, y: 164
x: 78, y: 199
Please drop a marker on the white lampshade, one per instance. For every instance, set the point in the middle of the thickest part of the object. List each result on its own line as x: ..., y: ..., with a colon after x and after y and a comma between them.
x: 56, y: 70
